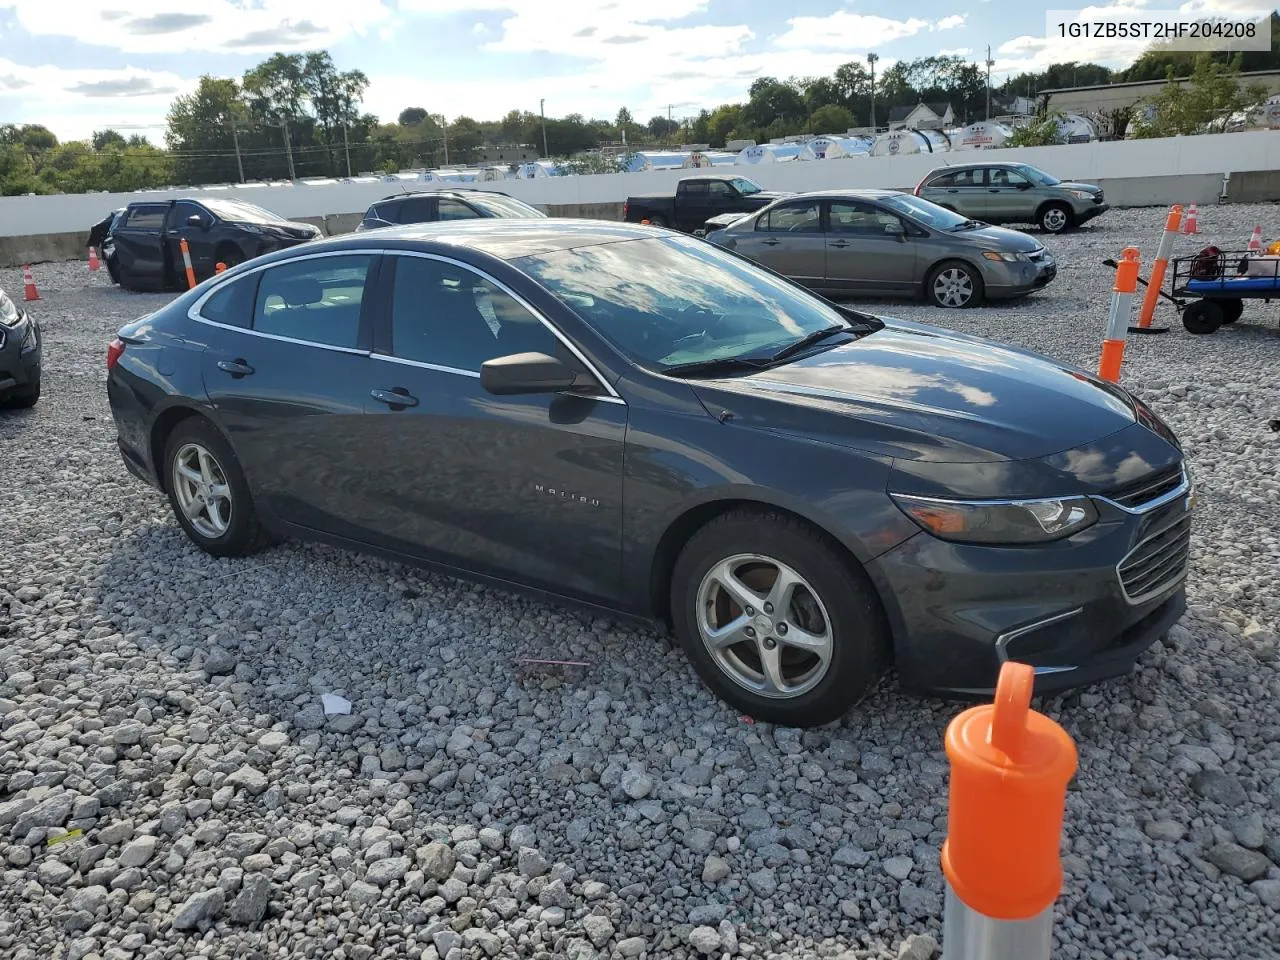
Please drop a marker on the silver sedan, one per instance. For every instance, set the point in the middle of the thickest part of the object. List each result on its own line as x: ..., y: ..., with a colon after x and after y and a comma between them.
x: 887, y: 243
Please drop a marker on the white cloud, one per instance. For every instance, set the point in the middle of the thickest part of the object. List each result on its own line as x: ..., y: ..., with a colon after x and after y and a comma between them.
x: 170, y: 26
x: 951, y: 22
x: 847, y: 31
x: 956, y: 52
x: 479, y: 28
x: 74, y: 103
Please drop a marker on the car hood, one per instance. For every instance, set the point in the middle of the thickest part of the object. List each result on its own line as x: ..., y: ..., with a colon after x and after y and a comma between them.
x: 914, y: 392
x: 1078, y: 185
x: 998, y: 238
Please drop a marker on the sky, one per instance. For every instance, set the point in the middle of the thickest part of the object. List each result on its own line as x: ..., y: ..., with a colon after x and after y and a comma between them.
x: 77, y: 66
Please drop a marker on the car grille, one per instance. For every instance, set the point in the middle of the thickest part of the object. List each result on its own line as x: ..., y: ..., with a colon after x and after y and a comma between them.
x: 1146, y: 489
x: 1158, y: 562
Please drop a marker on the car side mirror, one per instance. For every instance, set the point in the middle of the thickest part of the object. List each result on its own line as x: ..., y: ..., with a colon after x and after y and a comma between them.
x: 896, y: 230
x: 526, y: 373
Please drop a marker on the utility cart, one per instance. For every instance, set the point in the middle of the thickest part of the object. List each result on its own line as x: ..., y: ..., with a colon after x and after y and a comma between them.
x: 1209, y: 288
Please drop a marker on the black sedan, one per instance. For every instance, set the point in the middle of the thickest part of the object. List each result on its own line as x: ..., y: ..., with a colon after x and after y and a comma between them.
x: 634, y: 419
x: 20, y: 348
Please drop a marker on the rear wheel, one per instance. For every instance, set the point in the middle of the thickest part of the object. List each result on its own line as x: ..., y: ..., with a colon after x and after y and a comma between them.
x: 208, y: 491
x: 1202, y: 316
x: 777, y: 622
x: 954, y: 284
x: 1232, y: 310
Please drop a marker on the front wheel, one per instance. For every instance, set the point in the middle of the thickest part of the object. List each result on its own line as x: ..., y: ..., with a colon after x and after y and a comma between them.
x: 954, y: 284
x: 1055, y: 218
x: 25, y: 398
x: 776, y: 621
x: 208, y: 491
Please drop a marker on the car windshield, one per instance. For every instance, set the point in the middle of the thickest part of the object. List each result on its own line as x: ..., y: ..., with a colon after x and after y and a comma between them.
x: 924, y: 211
x: 745, y: 186
x: 1037, y: 175
x: 671, y: 301
x: 238, y: 210
x: 501, y: 206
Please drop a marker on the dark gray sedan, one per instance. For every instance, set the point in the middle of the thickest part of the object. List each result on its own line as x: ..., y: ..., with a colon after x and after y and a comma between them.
x: 889, y: 243
x: 634, y: 419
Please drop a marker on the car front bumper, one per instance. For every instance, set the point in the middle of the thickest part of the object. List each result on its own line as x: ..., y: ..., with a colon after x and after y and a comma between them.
x: 19, y: 363
x: 959, y: 611
x: 1086, y: 212
x: 1003, y: 280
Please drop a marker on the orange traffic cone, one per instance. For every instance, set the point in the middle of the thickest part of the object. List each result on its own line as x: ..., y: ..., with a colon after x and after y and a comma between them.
x: 219, y: 267
x: 93, y: 259
x: 31, y: 293
x: 1191, y: 225
x: 1255, y: 241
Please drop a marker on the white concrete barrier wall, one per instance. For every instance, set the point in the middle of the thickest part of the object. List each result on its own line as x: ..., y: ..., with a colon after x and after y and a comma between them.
x: 1174, y: 156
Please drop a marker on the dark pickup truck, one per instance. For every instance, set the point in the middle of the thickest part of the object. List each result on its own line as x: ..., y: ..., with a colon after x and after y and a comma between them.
x: 697, y: 200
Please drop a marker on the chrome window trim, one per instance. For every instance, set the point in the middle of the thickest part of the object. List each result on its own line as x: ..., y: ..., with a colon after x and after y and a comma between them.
x: 1180, y: 490
x: 1004, y: 639
x: 611, y: 396
x: 423, y: 365
x: 193, y: 312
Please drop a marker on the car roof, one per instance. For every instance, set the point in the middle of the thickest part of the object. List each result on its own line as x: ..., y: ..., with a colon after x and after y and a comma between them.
x: 977, y: 163
x: 428, y: 193
x: 859, y: 193
x: 501, y: 237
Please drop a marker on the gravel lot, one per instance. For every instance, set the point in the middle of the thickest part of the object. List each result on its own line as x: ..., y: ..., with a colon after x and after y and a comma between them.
x: 167, y: 705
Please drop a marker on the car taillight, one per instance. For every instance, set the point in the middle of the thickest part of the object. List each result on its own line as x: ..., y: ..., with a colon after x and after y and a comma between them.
x: 626, y: 209
x: 114, y: 350
x: 916, y: 191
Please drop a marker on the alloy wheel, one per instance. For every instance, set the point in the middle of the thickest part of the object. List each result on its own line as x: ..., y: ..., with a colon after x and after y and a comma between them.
x: 764, y: 626
x: 203, y: 494
x: 1054, y: 219
x: 953, y: 287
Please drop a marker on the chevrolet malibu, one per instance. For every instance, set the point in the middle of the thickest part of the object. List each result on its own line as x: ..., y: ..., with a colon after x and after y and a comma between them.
x: 636, y: 420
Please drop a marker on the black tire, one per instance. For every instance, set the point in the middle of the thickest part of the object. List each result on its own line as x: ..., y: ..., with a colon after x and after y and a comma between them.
x: 974, y: 279
x: 243, y: 533
x: 1055, y: 217
x: 856, y: 624
x: 229, y: 254
x: 1201, y: 317
x: 25, y: 398
x: 1232, y: 310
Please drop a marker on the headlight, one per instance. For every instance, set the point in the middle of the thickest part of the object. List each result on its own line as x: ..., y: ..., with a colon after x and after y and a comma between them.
x: 8, y: 310
x: 999, y: 521
x: 1003, y: 255
x: 1081, y: 195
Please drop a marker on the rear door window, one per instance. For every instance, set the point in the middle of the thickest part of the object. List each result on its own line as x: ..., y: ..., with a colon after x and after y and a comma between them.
x: 315, y: 300
x: 149, y: 217
x: 415, y: 210
x: 451, y: 209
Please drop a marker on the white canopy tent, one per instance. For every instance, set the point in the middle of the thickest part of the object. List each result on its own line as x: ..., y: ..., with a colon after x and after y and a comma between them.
x: 980, y: 136
x: 770, y: 153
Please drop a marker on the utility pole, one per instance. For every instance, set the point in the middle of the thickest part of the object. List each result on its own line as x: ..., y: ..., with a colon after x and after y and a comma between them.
x: 543, y: 115
x: 989, y: 63
x: 346, y: 146
x: 871, y: 59
x: 288, y: 147
x: 235, y: 138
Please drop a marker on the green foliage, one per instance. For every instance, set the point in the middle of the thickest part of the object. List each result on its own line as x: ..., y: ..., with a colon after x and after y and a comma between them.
x: 1042, y: 133
x: 831, y: 118
x: 1203, y: 103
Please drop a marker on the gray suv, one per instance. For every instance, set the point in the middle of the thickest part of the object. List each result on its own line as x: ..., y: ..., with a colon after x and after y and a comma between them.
x: 1012, y: 193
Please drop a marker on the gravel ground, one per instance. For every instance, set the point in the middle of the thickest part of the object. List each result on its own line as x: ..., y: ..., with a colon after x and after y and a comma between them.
x: 167, y: 705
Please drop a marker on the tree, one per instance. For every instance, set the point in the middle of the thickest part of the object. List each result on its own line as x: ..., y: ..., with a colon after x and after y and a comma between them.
x: 769, y: 99
x: 411, y: 116
x: 660, y: 127
x: 830, y: 119
x: 465, y: 139
x: 105, y: 138
x: 1204, y: 102
x: 623, y: 118
x: 199, y: 132
x: 1042, y: 133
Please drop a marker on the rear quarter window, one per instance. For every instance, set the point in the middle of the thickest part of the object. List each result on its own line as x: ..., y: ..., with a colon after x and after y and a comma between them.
x: 232, y: 304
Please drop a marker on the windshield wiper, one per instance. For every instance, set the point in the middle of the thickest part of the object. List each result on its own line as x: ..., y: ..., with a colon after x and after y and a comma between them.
x: 967, y: 225
x: 808, y: 340
x: 718, y: 365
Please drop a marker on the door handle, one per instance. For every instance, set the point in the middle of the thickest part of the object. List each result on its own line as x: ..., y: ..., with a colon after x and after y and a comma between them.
x: 953, y: 190
x: 397, y: 398
x: 994, y: 190
x: 237, y: 368
x: 838, y: 243
x: 771, y: 242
